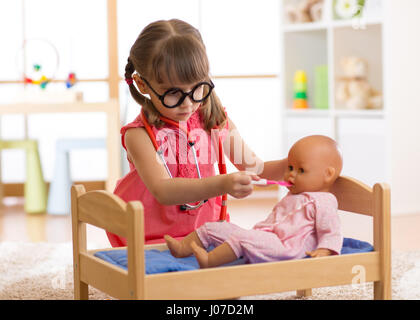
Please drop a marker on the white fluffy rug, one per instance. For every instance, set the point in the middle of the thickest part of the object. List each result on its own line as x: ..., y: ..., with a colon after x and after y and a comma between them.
x: 44, y: 271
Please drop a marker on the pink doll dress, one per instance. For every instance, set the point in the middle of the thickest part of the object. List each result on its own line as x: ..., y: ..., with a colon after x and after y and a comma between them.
x: 298, y: 223
x: 161, y: 219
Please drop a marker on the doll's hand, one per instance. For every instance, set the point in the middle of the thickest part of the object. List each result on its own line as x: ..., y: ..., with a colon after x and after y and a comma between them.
x: 321, y: 252
x: 238, y: 184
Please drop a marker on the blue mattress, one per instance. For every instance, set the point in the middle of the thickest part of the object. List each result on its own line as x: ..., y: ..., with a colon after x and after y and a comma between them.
x: 162, y: 261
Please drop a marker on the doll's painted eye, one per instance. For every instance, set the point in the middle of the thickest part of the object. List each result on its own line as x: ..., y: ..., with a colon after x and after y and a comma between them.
x: 301, y: 170
x: 290, y: 168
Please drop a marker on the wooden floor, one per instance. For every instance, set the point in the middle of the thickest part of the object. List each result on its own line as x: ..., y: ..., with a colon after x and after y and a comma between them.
x: 16, y: 225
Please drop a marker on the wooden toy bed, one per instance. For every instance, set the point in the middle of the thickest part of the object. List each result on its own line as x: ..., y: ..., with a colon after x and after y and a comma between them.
x: 105, y: 210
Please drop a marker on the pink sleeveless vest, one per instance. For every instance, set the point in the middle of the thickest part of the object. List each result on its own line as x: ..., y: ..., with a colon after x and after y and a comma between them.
x: 160, y: 219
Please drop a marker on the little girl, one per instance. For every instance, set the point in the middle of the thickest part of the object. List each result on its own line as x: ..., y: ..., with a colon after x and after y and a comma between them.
x: 304, y: 222
x: 168, y: 62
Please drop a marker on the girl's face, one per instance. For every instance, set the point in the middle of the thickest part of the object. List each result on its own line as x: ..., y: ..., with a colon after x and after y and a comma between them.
x: 180, y: 113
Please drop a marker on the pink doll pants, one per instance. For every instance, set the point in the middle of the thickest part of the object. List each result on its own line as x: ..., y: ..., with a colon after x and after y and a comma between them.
x: 254, y: 245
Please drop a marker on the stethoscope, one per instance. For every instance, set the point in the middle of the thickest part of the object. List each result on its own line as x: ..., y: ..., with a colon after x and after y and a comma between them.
x: 221, y: 163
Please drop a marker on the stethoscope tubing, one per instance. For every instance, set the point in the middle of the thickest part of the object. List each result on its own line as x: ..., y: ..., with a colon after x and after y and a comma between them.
x: 221, y: 164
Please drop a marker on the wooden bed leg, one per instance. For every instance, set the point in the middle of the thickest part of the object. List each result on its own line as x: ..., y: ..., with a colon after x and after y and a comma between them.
x: 381, y: 290
x: 382, y: 239
x: 81, y: 289
x: 135, y: 252
x: 304, y: 293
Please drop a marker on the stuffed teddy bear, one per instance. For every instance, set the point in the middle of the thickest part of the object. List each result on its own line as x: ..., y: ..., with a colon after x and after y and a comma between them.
x: 353, y: 91
x: 305, y: 11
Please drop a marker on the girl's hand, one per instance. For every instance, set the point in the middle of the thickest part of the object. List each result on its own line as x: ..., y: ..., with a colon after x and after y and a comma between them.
x: 239, y: 183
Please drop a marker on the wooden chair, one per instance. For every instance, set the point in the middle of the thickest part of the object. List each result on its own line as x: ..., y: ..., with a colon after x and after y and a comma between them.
x: 35, y: 188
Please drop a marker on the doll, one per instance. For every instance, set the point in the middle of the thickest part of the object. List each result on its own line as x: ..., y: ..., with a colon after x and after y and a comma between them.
x: 304, y: 223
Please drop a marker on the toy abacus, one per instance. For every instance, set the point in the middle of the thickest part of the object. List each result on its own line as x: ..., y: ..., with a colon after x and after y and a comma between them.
x: 38, y: 61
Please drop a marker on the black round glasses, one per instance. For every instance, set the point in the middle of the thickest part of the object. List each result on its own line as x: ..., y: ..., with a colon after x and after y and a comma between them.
x: 174, y: 97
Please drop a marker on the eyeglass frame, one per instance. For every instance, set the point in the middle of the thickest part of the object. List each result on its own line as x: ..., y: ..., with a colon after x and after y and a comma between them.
x: 184, y: 94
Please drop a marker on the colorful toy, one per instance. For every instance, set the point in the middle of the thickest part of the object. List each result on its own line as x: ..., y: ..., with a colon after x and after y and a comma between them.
x: 300, y: 89
x: 42, y: 81
x: 38, y: 62
x: 71, y: 80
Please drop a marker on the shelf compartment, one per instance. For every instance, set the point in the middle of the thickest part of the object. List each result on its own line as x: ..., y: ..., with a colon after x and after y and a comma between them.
x: 363, y: 43
x: 303, y: 51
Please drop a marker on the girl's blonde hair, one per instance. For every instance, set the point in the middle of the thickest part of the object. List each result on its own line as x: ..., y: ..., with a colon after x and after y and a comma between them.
x: 172, y: 50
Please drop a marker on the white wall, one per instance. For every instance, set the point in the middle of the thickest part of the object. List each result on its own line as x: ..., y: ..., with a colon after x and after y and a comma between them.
x: 241, y: 37
x: 402, y: 87
x: 403, y: 54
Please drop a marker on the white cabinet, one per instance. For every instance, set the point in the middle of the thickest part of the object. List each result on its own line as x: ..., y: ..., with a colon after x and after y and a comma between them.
x: 363, y: 144
x: 297, y: 127
x: 362, y: 134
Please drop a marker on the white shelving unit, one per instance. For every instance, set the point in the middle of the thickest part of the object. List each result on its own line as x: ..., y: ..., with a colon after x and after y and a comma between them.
x: 362, y: 134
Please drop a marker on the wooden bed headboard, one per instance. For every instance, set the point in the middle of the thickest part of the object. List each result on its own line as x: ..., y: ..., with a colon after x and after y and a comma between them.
x: 114, y: 214
x: 107, y: 211
x: 355, y: 196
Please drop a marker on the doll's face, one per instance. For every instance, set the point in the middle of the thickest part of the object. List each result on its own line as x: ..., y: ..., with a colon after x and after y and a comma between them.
x: 310, y: 167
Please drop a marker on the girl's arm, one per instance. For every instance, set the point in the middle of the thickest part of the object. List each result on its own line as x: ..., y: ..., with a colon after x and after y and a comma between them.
x: 274, y: 170
x: 175, y: 191
x: 244, y: 159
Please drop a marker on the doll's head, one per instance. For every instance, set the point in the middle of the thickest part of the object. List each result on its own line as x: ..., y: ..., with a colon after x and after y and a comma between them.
x: 314, y: 163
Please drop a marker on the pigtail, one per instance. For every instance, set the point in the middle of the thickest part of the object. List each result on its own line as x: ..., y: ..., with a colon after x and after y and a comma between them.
x: 151, y: 113
x: 129, y: 69
x: 213, y: 113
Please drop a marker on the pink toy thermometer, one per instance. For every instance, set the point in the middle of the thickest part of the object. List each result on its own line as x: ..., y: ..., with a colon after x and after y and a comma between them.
x: 264, y: 182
